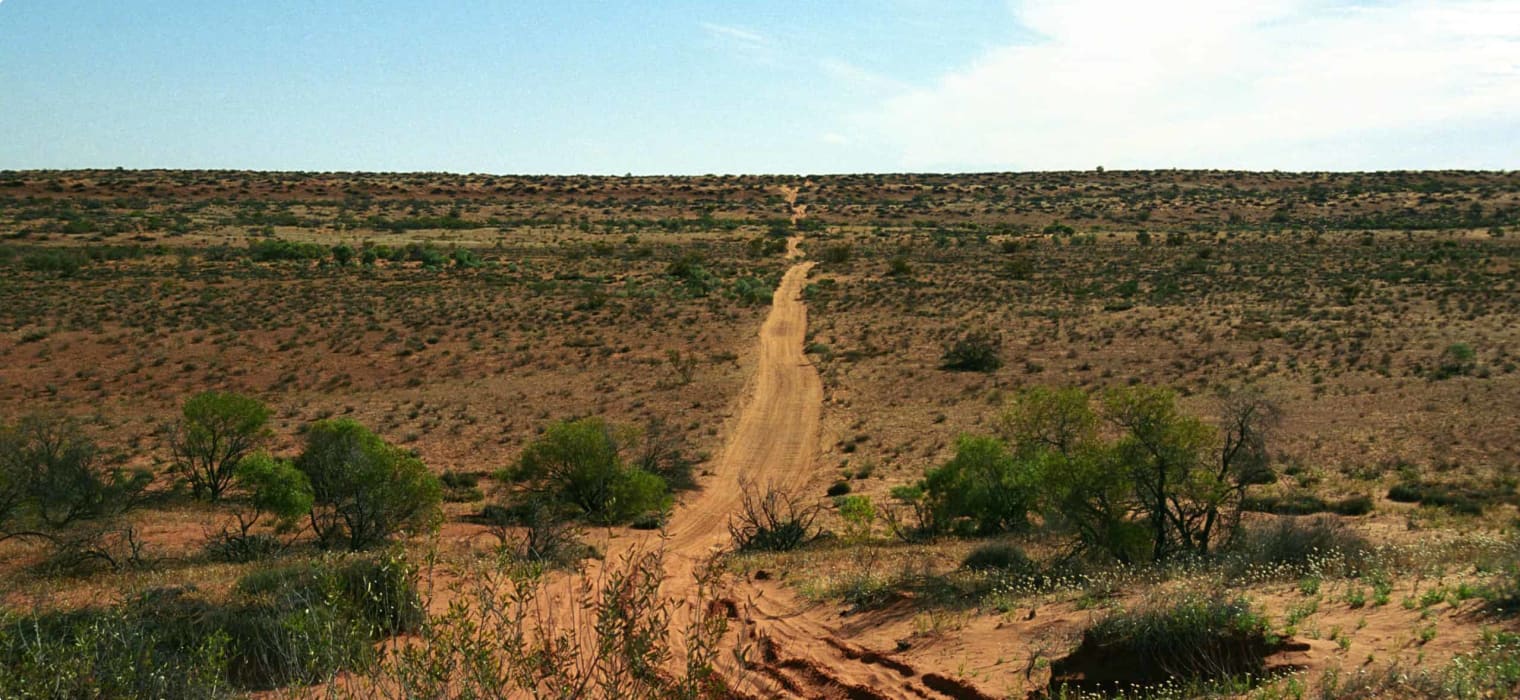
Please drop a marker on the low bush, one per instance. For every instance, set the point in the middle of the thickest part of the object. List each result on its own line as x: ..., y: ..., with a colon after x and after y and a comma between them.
x: 1300, y: 542
x: 1003, y: 557
x: 579, y: 463
x: 772, y: 520
x: 1306, y: 504
x: 366, y: 490
x: 1468, y: 500
x: 974, y: 351
x: 1194, y: 639
x: 984, y: 489
x: 291, y: 625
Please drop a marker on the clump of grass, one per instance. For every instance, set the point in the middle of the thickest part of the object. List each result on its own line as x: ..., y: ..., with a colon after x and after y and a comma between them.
x: 1197, y: 638
x: 1004, y: 557
x: 1309, y: 545
x: 289, y: 625
x: 1491, y: 671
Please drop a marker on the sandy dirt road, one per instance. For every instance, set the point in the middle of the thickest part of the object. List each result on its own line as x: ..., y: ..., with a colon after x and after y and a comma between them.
x: 792, y: 652
x: 776, y: 436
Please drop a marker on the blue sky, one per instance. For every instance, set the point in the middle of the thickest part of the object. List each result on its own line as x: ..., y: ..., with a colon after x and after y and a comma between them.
x: 791, y: 87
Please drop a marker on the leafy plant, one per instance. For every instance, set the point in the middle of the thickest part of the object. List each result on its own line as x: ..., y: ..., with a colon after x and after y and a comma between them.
x: 216, y: 431
x: 365, y: 490
x: 579, y: 463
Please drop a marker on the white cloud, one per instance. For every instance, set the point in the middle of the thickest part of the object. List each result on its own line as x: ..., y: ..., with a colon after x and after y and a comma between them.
x: 730, y: 33
x: 1292, y: 84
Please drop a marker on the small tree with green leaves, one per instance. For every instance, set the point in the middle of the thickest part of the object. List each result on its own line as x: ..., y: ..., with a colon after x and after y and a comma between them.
x: 55, y: 487
x: 984, y: 489
x: 364, y: 489
x: 275, y: 490
x: 216, y: 431
x: 580, y: 463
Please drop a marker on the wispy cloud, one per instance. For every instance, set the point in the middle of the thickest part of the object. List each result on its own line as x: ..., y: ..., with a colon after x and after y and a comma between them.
x: 1218, y: 83
x: 731, y: 33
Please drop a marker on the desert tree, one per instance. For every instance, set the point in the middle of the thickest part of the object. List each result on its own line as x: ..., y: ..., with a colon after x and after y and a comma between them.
x: 273, y: 490
x: 58, y: 489
x: 580, y: 463
x: 215, y: 432
x: 364, y: 489
x: 1166, y: 454
x: 1247, y: 421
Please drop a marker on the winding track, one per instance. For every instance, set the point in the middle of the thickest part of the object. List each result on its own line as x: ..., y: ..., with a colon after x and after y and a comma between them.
x: 773, y: 445
x: 777, y: 432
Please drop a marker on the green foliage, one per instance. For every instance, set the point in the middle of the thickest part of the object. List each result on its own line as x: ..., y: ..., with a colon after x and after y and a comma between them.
x: 465, y: 258
x: 765, y: 246
x: 289, y: 625
x: 837, y: 254
x: 275, y: 249
x: 1301, y: 542
x: 275, y: 487
x: 62, y: 261
x: 752, y: 291
x: 688, y: 269
x: 1457, y: 360
x: 1307, y: 504
x: 343, y: 254
x: 579, y: 463
x: 1193, y: 639
x: 216, y: 431
x: 1164, y: 454
x: 52, y: 475
x: 858, y: 512
x: 1041, y: 418
x: 975, y: 351
x: 983, y: 489
x: 1167, y: 484
x: 1468, y: 500
x: 365, y: 490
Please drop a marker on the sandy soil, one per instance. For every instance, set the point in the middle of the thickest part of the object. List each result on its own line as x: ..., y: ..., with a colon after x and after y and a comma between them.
x: 774, y: 444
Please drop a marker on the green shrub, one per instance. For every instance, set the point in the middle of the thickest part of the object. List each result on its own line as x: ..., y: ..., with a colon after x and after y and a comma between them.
x: 752, y: 291
x: 1458, y: 359
x: 63, y: 261
x: 837, y: 254
x: 1307, y: 504
x: 974, y: 351
x: 1456, y: 498
x: 1301, y: 542
x: 290, y: 625
x: 858, y: 513
x: 983, y: 489
x: 1003, y: 557
x: 52, y: 475
x: 216, y: 430
x: 366, y: 490
x: 578, y: 463
x: 1194, y: 639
